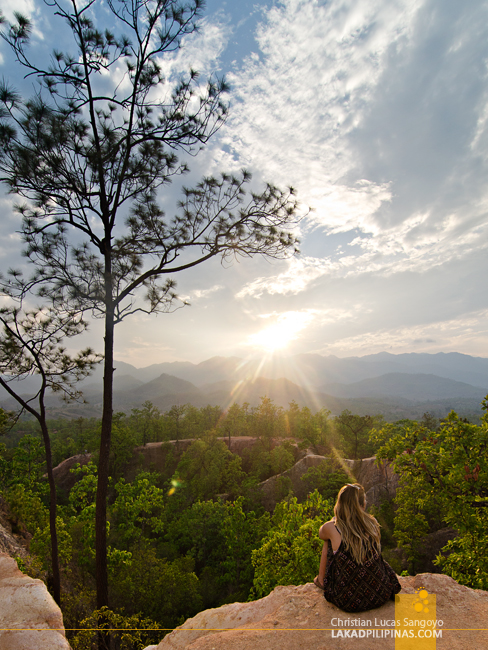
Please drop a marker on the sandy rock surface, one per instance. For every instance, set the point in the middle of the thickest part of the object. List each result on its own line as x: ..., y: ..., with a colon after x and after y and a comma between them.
x: 292, y: 618
x: 29, y: 617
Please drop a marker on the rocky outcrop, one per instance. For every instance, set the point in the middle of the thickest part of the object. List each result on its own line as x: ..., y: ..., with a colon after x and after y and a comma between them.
x: 13, y: 545
x: 64, y: 477
x: 299, y: 617
x: 9, y: 545
x: 156, y: 456
x: 29, y: 617
x: 378, y: 479
x: 159, y: 456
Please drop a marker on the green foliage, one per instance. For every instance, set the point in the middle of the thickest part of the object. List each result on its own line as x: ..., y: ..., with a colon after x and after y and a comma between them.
x: 6, y: 421
x: 235, y: 421
x: 327, y: 478
x: 137, y: 510
x: 40, y: 544
x: 290, y: 552
x: 82, y: 517
x: 27, y: 509
x: 269, y: 463
x: 31, y: 566
x: 442, y: 482
x: 243, y: 533
x: 207, y: 469
x: 176, y: 547
x: 72, y: 437
x: 147, y: 422
x: 7, y: 473
x: 166, y: 591
x: 130, y: 632
x: 318, y: 432
x: 124, y: 439
x: 355, y: 432
x: 267, y: 422
x: 83, y: 493
x: 466, y: 558
x: 385, y: 515
x: 219, y: 536
x: 28, y: 463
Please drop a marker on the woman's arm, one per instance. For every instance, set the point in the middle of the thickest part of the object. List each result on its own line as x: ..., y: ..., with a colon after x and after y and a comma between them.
x: 327, y: 532
x: 323, y: 564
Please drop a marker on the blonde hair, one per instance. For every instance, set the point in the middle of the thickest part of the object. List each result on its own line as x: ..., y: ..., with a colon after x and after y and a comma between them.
x: 360, y: 532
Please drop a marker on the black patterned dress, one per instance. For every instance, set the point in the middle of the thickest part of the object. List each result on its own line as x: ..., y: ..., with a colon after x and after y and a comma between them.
x: 358, y: 587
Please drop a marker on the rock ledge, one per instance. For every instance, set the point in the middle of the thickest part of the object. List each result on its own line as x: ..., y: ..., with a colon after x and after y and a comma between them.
x: 291, y: 618
x: 29, y: 617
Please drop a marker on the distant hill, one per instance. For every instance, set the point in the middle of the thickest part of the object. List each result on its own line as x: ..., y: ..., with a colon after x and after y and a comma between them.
x: 404, y: 385
x: 417, y: 387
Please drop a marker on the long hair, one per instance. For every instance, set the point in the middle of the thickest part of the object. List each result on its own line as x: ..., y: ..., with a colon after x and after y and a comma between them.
x: 360, y: 532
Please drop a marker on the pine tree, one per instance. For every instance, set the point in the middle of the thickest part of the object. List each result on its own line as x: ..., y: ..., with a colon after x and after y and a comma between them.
x: 31, y: 344
x: 89, y: 155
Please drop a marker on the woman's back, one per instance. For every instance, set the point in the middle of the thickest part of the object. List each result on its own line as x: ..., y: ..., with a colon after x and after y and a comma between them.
x: 357, y: 578
x: 357, y: 587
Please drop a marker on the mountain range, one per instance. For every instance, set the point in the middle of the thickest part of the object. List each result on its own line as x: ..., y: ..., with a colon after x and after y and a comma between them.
x: 403, y: 385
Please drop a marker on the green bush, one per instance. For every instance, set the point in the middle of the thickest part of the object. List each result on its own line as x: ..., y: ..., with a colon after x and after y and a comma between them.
x: 290, y: 552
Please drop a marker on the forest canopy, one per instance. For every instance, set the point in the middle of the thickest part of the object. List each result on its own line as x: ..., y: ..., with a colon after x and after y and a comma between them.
x: 198, y: 524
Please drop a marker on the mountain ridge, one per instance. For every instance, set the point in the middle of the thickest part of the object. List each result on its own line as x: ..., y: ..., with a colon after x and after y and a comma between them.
x: 383, y: 382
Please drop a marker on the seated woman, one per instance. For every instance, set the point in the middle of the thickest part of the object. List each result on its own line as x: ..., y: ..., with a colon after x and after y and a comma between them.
x: 352, y: 571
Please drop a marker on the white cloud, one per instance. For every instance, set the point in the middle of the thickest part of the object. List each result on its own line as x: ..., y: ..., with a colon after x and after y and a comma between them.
x: 24, y: 7
x: 200, y: 51
x: 339, y: 89
x: 295, y: 279
x: 197, y: 294
x: 299, y: 101
x: 466, y: 333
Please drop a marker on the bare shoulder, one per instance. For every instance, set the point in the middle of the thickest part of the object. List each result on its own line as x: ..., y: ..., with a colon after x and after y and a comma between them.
x: 328, y: 530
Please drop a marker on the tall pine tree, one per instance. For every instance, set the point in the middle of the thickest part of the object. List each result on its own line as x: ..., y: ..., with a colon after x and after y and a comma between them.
x: 89, y: 155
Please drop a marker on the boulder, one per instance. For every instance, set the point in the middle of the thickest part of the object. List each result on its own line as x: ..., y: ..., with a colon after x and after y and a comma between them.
x: 299, y: 617
x: 29, y: 617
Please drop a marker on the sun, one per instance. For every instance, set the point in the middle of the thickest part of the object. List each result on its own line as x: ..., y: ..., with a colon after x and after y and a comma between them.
x: 272, y: 338
x: 281, y: 333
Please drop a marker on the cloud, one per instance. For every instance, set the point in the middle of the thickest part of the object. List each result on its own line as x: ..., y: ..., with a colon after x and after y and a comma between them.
x: 197, y: 294
x: 200, y: 51
x: 375, y: 111
x: 467, y: 333
x: 299, y: 99
x: 295, y: 279
x: 25, y: 7
x: 28, y: 9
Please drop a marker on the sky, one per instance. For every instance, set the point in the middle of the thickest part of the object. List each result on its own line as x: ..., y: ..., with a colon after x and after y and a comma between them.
x: 376, y: 111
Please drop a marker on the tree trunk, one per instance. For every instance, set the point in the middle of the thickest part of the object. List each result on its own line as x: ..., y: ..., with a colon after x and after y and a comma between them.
x: 52, y: 513
x: 41, y: 418
x: 105, y: 439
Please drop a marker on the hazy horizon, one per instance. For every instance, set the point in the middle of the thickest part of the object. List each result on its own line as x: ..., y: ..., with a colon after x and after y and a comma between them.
x: 257, y: 357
